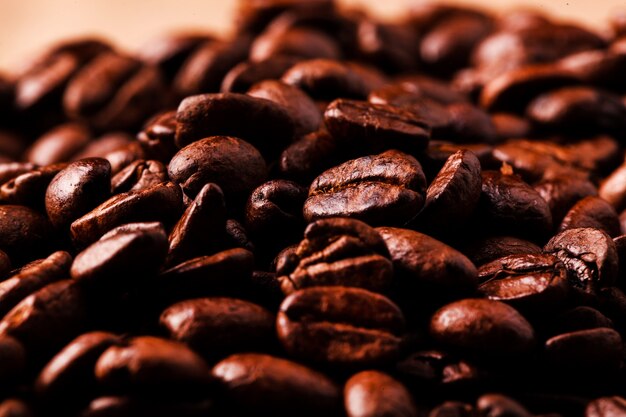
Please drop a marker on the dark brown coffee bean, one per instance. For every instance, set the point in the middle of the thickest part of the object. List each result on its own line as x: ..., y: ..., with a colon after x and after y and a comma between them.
x: 23, y: 232
x: 340, y: 326
x: 161, y: 202
x: 59, y: 144
x: 380, y: 189
x: 337, y: 252
x: 132, y: 406
x: 296, y: 41
x: 485, y: 327
x: 114, y: 92
x: 563, y: 192
x: 527, y: 282
x: 124, y: 156
x: 265, y: 124
x: 597, y: 67
x: 452, y: 409
x: 414, y: 89
x: 510, y: 126
x: 215, y: 327
x: 274, y: 212
x: 121, y: 258
x: 70, y: 372
x: 491, y: 248
x: 390, y: 46
x: 157, y: 138
x: 47, y: 319
x: 579, y: 318
x: 32, y: 277
x: 13, y: 360
x: 589, y: 255
x: 509, y: 205
x: 104, y: 145
x: 245, y: 74
x: 309, y: 156
x: 606, y: 407
x: 77, y: 189
x: 375, y: 394
x: 424, y: 263
x: 204, y: 70
x: 151, y: 364
x: 138, y: 176
x: 5, y: 264
x: 592, y: 212
x: 593, y: 350
x: 304, y: 112
x: 613, y: 188
x: 496, y: 405
x: 231, y: 163
x: 376, y: 127
x: 513, y: 90
x: 29, y: 188
x: 219, y: 274
x: 325, y: 79
x: 10, y: 170
x: 453, y: 195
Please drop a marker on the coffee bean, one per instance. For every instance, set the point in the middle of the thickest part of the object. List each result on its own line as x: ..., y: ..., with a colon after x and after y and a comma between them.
x: 589, y: 255
x: 563, y: 192
x: 606, y: 407
x: 131, y: 406
x: 612, y: 188
x: 496, y: 405
x: 13, y: 360
x: 597, y: 67
x: 30, y: 187
x: 77, y: 189
x: 491, y: 248
x: 389, y: 46
x: 594, y: 350
x: 340, y: 326
x: 376, y: 127
x: 139, y: 175
x: 452, y: 409
x: 510, y: 126
x: 214, y: 327
x: 592, y: 212
x: 59, y: 144
x: 70, y: 372
x: 157, y: 138
x: 161, y: 202
x: 484, y: 327
x: 23, y: 232
x: 231, y: 163
x: 374, y: 394
x: 245, y: 74
x: 261, y: 382
x: 580, y: 318
x: 10, y: 170
x: 296, y: 41
x: 378, y: 189
x: 414, y: 89
x: 337, y: 252
x: 309, y: 156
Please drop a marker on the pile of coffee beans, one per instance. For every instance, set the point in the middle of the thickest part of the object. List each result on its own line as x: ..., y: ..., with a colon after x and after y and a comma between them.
x: 323, y: 214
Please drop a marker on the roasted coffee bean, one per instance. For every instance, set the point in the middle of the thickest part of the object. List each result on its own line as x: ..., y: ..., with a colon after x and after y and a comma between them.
x: 496, y: 405
x: 375, y: 394
x: 389, y: 46
x: 452, y: 409
x: 77, y: 189
x: 204, y: 70
x: 594, y: 350
x: 59, y: 144
x: 304, y: 112
x: 5, y: 264
x: 597, y: 67
x: 510, y: 126
x: 231, y: 163
x: 296, y: 41
x: 491, y: 248
x: 261, y: 382
x: 245, y: 74
x: 425, y: 264
x: 325, y: 79
x: 527, y: 282
x: 376, y: 127
x: 29, y: 188
x: 483, y: 327
x: 10, y: 170
x: 387, y: 188
x: 265, y: 124
x: 453, y: 194
x: 70, y: 372
x: 200, y: 228
x: 161, y: 202
x: 114, y: 92
x: 131, y: 406
x: 139, y: 175
x: 563, y: 192
x: 274, y: 212
x: 309, y: 156
x: 341, y: 326
x: 105, y: 144
x: 47, y: 319
x: 23, y: 232
x: 592, y: 212
x: 13, y: 360
x: 32, y: 277
x: 578, y: 109
x: 414, y: 89
x: 613, y: 189
x: 589, y: 255
x: 337, y: 252
x: 157, y: 138
x: 579, y: 318
x: 509, y: 205
x: 151, y: 364
x: 120, y: 258
x: 606, y: 407
x: 215, y: 327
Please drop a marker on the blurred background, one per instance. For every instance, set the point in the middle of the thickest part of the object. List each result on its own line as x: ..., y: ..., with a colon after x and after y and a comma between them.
x: 28, y: 25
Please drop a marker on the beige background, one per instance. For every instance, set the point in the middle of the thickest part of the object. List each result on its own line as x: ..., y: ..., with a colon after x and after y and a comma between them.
x: 28, y: 25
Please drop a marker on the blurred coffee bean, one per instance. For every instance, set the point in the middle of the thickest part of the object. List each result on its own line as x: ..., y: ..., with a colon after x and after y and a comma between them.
x: 157, y: 138
x: 606, y: 407
x: 245, y: 74
x: 29, y: 188
x: 59, y: 144
x: 374, y: 394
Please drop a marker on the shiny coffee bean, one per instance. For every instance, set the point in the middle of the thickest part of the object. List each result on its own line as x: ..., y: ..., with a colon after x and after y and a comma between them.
x: 309, y: 156
x: 592, y: 212
x: 157, y: 138
x: 497, y: 405
x: 139, y: 175
x: 13, y: 360
x: 245, y: 74
x: 131, y: 406
x: 606, y: 407
x: 29, y: 188
x: 376, y: 394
